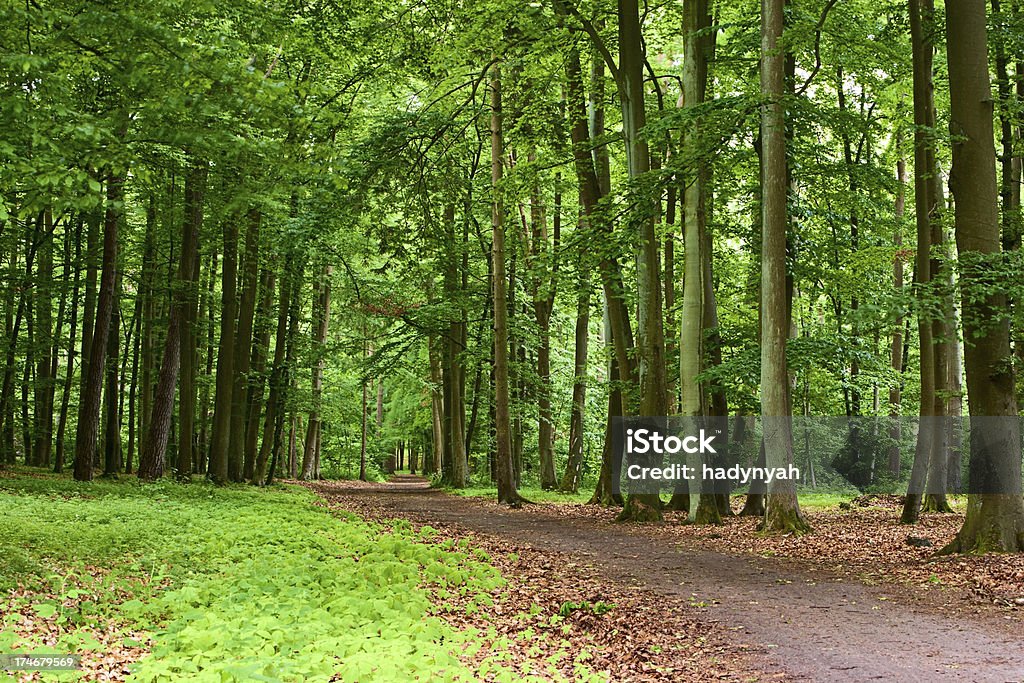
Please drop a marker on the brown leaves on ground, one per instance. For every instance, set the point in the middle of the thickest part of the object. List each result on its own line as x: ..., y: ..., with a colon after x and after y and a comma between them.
x: 866, y: 542
x: 555, y: 614
x: 42, y: 617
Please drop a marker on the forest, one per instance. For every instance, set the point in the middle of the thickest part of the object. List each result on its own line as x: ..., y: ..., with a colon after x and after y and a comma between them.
x: 325, y: 323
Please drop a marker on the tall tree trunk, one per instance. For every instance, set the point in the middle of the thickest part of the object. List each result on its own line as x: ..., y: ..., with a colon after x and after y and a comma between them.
x: 574, y: 466
x: 258, y: 366
x: 220, y: 442
x: 129, y: 459
x: 507, y: 492
x: 697, y: 49
x: 148, y: 339
x: 65, y: 401
x: 42, y: 429
x: 158, y: 430
x: 112, y: 419
x: 322, y: 314
x: 277, y: 375
x: 927, y: 210
x: 436, y: 405
x: 995, y: 516
x: 452, y: 372
x: 896, y: 348
x: 207, y: 314
x: 243, y: 344
x: 92, y: 380
x: 782, y: 513
x: 650, y: 318
x: 195, y: 187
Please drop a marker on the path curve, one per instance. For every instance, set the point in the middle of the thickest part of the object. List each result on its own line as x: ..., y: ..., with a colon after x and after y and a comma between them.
x: 815, y: 626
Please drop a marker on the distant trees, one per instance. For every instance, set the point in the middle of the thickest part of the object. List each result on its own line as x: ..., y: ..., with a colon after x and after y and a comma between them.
x: 272, y: 247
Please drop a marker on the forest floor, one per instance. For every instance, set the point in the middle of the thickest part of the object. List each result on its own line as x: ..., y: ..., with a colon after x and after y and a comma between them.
x: 852, y: 601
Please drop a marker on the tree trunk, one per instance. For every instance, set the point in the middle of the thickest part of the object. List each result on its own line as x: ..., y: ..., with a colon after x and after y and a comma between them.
x: 129, y: 459
x: 277, y: 375
x: 92, y: 380
x: 195, y: 186
x: 322, y: 317
x: 650, y: 318
x: 782, y: 513
x: 42, y: 398
x: 258, y: 366
x: 995, y: 516
x: 574, y: 466
x: 220, y: 442
x: 925, y: 199
x: 436, y: 406
x: 452, y: 370
x: 154, y: 448
x: 112, y: 420
x: 507, y: 492
x: 147, y: 341
x: 58, y: 465
x: 243, y: 344
x: 896, y: 348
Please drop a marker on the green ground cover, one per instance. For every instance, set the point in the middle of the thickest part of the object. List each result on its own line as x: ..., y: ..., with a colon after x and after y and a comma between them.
x: 231, y: 583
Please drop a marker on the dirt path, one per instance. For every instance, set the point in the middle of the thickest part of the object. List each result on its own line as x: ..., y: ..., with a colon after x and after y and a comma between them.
x: 814, y: 625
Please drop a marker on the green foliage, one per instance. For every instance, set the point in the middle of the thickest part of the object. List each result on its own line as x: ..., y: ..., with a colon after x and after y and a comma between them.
x: 240, y: 584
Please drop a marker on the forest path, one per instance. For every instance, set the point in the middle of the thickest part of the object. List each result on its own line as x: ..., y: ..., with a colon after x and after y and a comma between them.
x: 813, y: 625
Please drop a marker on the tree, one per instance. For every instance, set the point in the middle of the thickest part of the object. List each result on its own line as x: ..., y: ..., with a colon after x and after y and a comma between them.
x: 782, y: 513
x: 507, y: 492
x: 995, y: 515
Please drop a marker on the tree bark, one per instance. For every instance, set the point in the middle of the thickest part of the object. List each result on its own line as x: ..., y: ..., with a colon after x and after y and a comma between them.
x: 220, y: 442
x: 995, y: 517
x: 58, y: 465
x: 782, y: 513
x: 195, y: 186
x: 927, y: 209
x: 258, y: 366
x: 322, y: 318
x: 92, y: 380
x: 242, y: 346
x: 507, y: 492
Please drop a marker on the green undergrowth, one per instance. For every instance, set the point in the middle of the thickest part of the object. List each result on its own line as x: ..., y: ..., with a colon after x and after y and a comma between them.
x: 235, y: 584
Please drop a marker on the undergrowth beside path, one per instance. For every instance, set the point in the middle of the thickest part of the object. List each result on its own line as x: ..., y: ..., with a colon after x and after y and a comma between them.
x: 164, y: 582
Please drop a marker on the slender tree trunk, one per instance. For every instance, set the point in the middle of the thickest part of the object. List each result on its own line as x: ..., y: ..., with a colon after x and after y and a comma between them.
x: 206, y: 313
x: 896, y: 348
x: 65, y: 401
x: 243, y: 344
x: 154, y: 448
x: 129, y: 459
x: 507, y: 492
x: 219, y: 470
x: 322, y: 318
x: 148, y: 341
x: 258, y: 366
x: 43, y: 394
x: 574, y: 467
x: 195, y: 187
x: 782, y: 513
x: 92, y: 380
x: 277, y: 375
x: 925, y: 171
x: 455, y: 467
x: 436, y: 405
x: 112, y: 420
